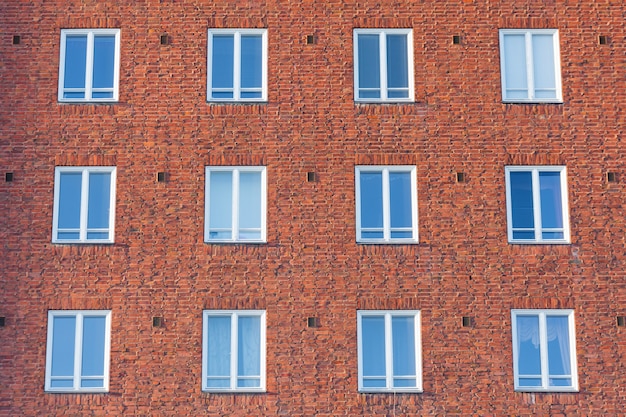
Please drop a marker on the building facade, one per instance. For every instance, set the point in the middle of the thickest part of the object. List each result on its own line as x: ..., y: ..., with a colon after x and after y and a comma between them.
x: 312, y: 208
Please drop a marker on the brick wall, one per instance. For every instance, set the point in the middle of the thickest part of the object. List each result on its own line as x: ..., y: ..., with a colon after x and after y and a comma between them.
x: 311, y: 265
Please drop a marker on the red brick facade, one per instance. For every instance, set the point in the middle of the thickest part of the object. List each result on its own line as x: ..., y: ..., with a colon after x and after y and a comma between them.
x: 311, y: 265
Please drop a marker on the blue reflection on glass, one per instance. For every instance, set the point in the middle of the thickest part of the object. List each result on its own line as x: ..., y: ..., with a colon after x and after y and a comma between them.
x: 69, y: 200
x: 251, y: 61
x: 94, y: 331
x: 221, y: 203
x: 515, y: 66
x: 397, y: 65
x: 558, y: 345
x: 218, y: 351
x: 551, y: 199
x: 528, y: 349
x: 99, y: 205
x: 369, y: 65
x: 249, y: 355
x: 522, y: 203
x: 544, y: 70
x: 103, y: 61
x: 250, y: 204
x: 75, y: 61
x: 63, y: 344
x: 400, y: 199
x: 371, y: 189
x: 373, y: 348
x: 223, y: 62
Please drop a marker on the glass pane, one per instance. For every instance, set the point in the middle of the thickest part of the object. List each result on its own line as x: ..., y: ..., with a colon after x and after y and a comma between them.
x: 558, y: 345
x: 522, y: 200
x: 99, y: 206
x: 68, y: 235
x: 517, y: 234
x: 529, y: 357
x: 398, y: 93
x: 249, y: 200
x: 543, y: 65
x: 218, y: 350
x: 369, y: 94
x: 94, y: 330
x: 221, y: 200
x: 405, y: 383
x: 222, y: 94
x: 371, y: 186
x: 551, y: 200
x: 530, y: 382
x: 75, y: 61
x: 249, y: 355
x: 223, y: 61
x: 103, y: 61
x: 373, y: 346
x: 515, y: 64
x: 403, y: 336
x: 397, y: 62
x: 63, y: 344
x: 369, y: 61
x: 74, y: 95
x: 552, y: 235
x: 218, y: 383
x: 251, y: 61
x: 97, y: 235
x: 251, y: 94
x: 372, y: 235
x: 401, y: 235
x: 69, y: 200
x: 560, y: 382
x: 102, y: 94
x: 249, y: 383
x: 62, y: 383
x: 92, y: 383
x: 375, y: 383
x: 400, y: 199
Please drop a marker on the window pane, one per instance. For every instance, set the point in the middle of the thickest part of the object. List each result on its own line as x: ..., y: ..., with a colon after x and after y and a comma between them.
x: 397, y: 62
x: 102, y: 94
x: 529, y: 358
x: 222, y: 94
x: 63, y: 344
x: 515, y: 65
x: 369, y: 62
x: 94, y: 330
x: 218, y: 383
x: 222, y: 61
x: 249, y: 354
x: 99, y: 200
x: 250, y: 203
x: 218, y: 350
x: 103, y: 61
x: 400, y: 196
x: 522, y: 200
x: 375, y: 383
x: 248, y: 383
x: 69, y: 200
x: 551, y: 200
x: 62, y: 383
x: 92, y: 383
x: 251, y: 61
x: 74, y: 95
x: 530, y: 382
x: 221, y: 200
x: 371, y: 187
x: 403, y: 335
x: 404, y: 382
x: 558, y: 345
x: 373, y: 346
x: 543, y: 65
x: 75, y: 61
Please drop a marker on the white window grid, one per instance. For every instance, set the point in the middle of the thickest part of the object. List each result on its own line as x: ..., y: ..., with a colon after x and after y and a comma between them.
x: 530, y: 82
x: 389, y: 377
x: 382, y: 59
x: 387, y: 229
x: 543, y: 341
x: 538, y: 229
x: 234, y: 349
x: 89, y: 90
x: 78, y: 348
x: 237, y: 89
x: 83, y: 230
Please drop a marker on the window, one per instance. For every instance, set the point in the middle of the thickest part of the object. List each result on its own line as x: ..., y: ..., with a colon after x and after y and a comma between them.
x: 89, y: 65
x: 233, y: 350
x: 530, y: 65
x: 383, y: 65
x: 77, y: 355
x: 389, y: 351
x: 237, y: 65
x: 544, y: 350
x: 84, y: 205
x: 386, y: 204
x: 235, y: 204
x: 536, y: 202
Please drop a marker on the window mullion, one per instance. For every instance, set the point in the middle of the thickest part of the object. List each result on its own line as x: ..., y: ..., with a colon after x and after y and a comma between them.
x: 234, y: 353
x: 543, y: 349
x: 78, y: 351
x: 386, y: 205
x: 89, y: 66
x: 382, y: 40
x: 84, y: 204
x: 536, y: 190
x: 237, y: 66
x: 235, y: 205
x: 530, y: 65
x: 388, y: 352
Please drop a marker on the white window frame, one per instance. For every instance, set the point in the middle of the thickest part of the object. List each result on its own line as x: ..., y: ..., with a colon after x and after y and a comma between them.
x: 382, y: 59
x: 234, y: 316
x: 89, y: 90
x: 385, y: 170
x: 528, y: 33
x: 83, y: 204
x: 543, y: 343
x: 76, y: 378
x: 538, y: 229
x: 235, y: 203
x: 388, y: 314
x: 237, y: 64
